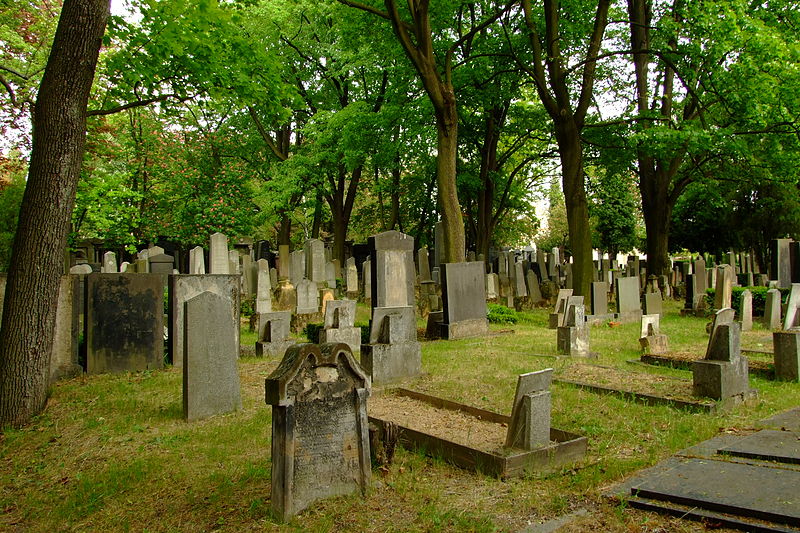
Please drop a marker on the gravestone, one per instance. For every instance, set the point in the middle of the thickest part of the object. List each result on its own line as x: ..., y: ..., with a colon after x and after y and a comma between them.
x: 351, y: 275
x: 109, y: 263
x: 629, y: 307
x: 423, y: 265
x: 520, y: 290
x: 320, y: 433
x: 124, y: 322
x: 81, y: 269
x: 233, y: 262
x: 772, y: 309
x: 340, y: 316
x: 651, y: 339
x: 781, y: 262
x: 273, y: 277
x: 463, y: 300
x: 307, y: 297
x: 184, y: 287
x: 723, y: 288
x: 197, y: 262
x: 600, y: 299
x: 297, y: 271
x: 161, y: 263
x: 250, y: 276
x: 534, y: 291
x: 284, y: 261
x: 573, y: 337
x: 723, y: 373
x: 210, y: 371
x: 786, y: 354
x: 653, y: 304
x: 392, y: 269
x: 791, y: 319
x: 393, y: 352
x: 273, y: 333
x: 366, y: 275
x: 492, y: 286
x: 314, y: 250
x: 330, y: 274
x: 218, y: 254
x: 263, y: 287
x: 529, y: 427
x: 746, y: 311
x: 557, y: 318
x: 64, y: 354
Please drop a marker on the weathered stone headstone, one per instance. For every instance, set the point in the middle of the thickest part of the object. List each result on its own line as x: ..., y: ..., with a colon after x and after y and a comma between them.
x: 786, y: 350
x: 653, y: 304
x: 320, y: 433
x: 557, y: 318
x: 651, y: 339
x: 210, y: 371
x: 109, y: 263
x: 520, y: 289
x: 124, y: 322
x: 351, y: 275
x: 250, y: 276
x: 573, y: 337
x: 366, y: 275
x: 81, y: 269
x: 534, y: 291
x: 463, y: 300
x: 600, y: 298
x: 273, y: 277
x: 393, y: 352
x: 340, y: 316
x: 423, y: 264
x: 197, y: 262
x: 184, y: 287
x: 791, y: 319
x: 781, y: 262
x: 234, y: 267
x: 218, y: 254
x: 746, y: 311
x: 529, y: 428
x: 772, y: 309
x: 160, y: 263
x: 284, y: 261
x: 629, y: 307
x: 492, y: 286
x: 314, y: 250
x: 64, y: 354
x: 297, y: 271
x: 273, y: 333
x: 307, y: 297
x: 263, y: 287
x: 392, y: 269
x: 330, y: 274
x: 724, y: 372
x: 724, y: 287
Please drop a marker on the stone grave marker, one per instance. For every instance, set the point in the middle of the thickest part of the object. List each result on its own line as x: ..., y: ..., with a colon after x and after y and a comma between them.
x: 263, y: 287
x: 791, y: 320
x: 250, y: 276
x: 307, y: 297
x: 273, y: 277
x: 781, y: 262
x: 81, y: 269
x: 520, y: 289
x: 273, y: 333
x: 210, y: 371
x: 534, y: 291
x: 392, y: 269
x: 723, y: 288
x: 651, y: 339
x: 297, y: 271
x: 314, y: 250
x: 330, y: 274
x: 320, y: 433
x: 160, y: 263
x: 218, y: 254
x: 573, y: 337
x: 492, y: 286
x: 234, y: 267
x: 724, y: 372
x: 786, y: 354
x: 463, y: 300
x: 124, y: 322
x: 109, y: 263
x: 653, y: 304
x: 746, y: 311
x: 423, y: 265
x: 284, y: 262
x: 772, y: 309
x: 351, y: 277
x: 366, y: 275
x: 629, y: 307
x: 557, y: 318
x: 529, y: 428
x: 393, y: 353
x: 197, y: 262
x: 340, y: 316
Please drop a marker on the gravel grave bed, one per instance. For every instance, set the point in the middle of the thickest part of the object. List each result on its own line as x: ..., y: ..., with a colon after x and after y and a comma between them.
x: 637, y: 382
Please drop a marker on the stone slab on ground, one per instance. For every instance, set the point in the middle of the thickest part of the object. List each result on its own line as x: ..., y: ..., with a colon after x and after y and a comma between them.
x: 767, y: 445
x: 788, y: 420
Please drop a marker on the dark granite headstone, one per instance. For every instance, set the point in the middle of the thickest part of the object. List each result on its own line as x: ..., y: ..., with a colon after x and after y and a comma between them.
x: 464, y: 300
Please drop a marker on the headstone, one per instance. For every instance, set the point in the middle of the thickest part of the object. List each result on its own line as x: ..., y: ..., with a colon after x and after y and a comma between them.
x: 746, y: 311
x: 464, y: 300
x: 197, y: 262
x: 423, y: 264
x: 723, y: 373
x: 273, y: 333
x: 307, y: 297
x: 366, y: 275
x: 520, y: 289
x: 64, y: 354
x: 722, y: 293
x: 161, y: 263
x: 393, y: 352
x: 250, y: 276
x: 109, y: 263
x: 351, y: 275
x: 392, y: 269
x: 330, y: 274
x: 438, y: 244
x: 629, y: 307
x: 651, y: 339
x: 273, y: 277
x: 320, y: 433
x: 314, y: 250
x: 340, y: 316
x: 492, y: 286
x: 184, y: 287
x: 263, y: 287
x: 233, y: 262
x: 786, y: 350
x: 124, y: 322
x: 210, y: 370
x: 218, y: 254
x: 557, y: 318
x: 600, y: 298
x: 297, y: 271
x: 534, y: 291
x: 772, y: 309
x: 791, y: 319
x: 573, y: 337
x: 81, y: 269
x: 529, y: 428
x: 781, y: 262
x: 653, y: 304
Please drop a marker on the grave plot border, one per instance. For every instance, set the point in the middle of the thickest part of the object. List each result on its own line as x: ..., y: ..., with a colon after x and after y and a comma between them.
x: 569, y: 447
x: 647, y: 399
x: 755, y: 367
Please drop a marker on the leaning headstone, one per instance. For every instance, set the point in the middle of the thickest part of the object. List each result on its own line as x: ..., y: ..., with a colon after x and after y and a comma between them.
x: 273, y: 333
x: 651, y: 339
x: 573, y: 336
x: 423, y: 264
x: 124, y: 322
x: 297, y: 271
x: 393, y: 353
x: 263, y: 287
x: 534, y: 291
x: 746, y: 311
x: 314, y: 250
x: 557, y: 318
x: 529, y: 428
x: 197, y: 262
x: 629, y: 307
x: 109, y: 263
x: 723, y: 373
x: 210, y: 371
x: 320, y: 433
x: 463, y: 300
x: 340, y: 316
x: 791, y: 319
x: 772, y: 309
x: 184, y: 287
x: 218, y: 254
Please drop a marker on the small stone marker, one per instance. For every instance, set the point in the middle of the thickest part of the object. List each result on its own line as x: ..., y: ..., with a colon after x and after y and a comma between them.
x: 210, y: 371
x: 786, y: 349
x: 651, y: 339
x: 273, y: 333
x: 724, y: 372
x: 791, y: 319
x: 557, y: 318
x: 351, y: 277
x: 573, y: 337
x: 218, y: 254
x: 109, y: 263
x: 339, y: 326
x: 529, y: 428
x: 320, y: 434
x: 393, y: 352
x: 772, y: 309
x: 746, y: 311
x: 492, y: 286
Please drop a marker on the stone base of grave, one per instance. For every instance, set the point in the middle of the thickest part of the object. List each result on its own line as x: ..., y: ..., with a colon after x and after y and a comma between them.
x: 629, y: 316
x: 65, y: 371
x: 574, y: 341
x: 787, y: 355
x: 693, y: 312
x: 301, y: 320
x: 720, y: 380
x: 555, y: 320
x: 273, y: 349
x: 596, y: 320
x: 433, y: 330
x: 348, y: 336
x: 465, y: 328
x: 654, y: 344
x: 388, y: 363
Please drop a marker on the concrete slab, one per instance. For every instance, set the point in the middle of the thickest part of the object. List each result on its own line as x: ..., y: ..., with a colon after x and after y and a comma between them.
x: 787, y: 420
x: 767, y: 445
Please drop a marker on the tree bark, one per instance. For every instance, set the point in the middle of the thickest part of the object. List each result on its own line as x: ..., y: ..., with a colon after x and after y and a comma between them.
x: 59, y: 134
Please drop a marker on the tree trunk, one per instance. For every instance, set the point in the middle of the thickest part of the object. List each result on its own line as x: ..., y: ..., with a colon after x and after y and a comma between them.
x: 657, y: 213
x: 59, y: 134
x: 447, y: 144
x: 489, y: 166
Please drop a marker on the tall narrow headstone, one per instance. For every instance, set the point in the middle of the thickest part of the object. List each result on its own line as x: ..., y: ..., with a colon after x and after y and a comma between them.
x: 786, y: 345
x: 351, y: 277
x: 314, y: 250
x: 298, y: 269
x: 423, y: 264
x: 791, y: 320
x: 218, y: 254
x: 772, y: 309
x: 746, y: 311
x: 284, y: 261
x: 263, y: 287
x: 781, y: 262
x: 534, y: 291
x: 722, y: 292
x: 197, y: 262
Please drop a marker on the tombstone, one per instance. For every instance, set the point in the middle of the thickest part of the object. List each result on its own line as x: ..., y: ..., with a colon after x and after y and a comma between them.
x: 463, y: 300
x: 184, y: 287
x: 250, y: 276
x: 392, y: 272
x: 284, y: 261
x: 197, y: 263
x: 81, y: 269
x: 64, y: 354
x: 529, y: 427
x: 218, y: 254
x: 700, y: 274
x: 307, y: 297
x: 210, y: 371
x: 330, y: 274
x: 320, y: 433
x: 573, y: 337
x: 746, y: 311
x: 540, y: 260
x: 651, y: 339
x: 160, y: 263
x: 263, y: 287
x: 534, y: 291
x: 791, y: 319
x: 337, y: 269
x: 423, y: 265
x: 124, y: 322
x: 492, y: 286
x: 298, y: 270
x: 557, y: 318
x: 273, y: 333
x: 786, y: 350
x: 781, y: 262
x: 393, y: 352
x: 273, y: 277
x: 340, y: 316
x: 723, y: 373
x: 629, y: 307
x: 366, y: 275
x: 314, y: 250
x: 653, y: 304
x: 233, y: 262
x: 772, y: 309
x: 109, y: 263
x: 520, y: 289
x: 599, y: 304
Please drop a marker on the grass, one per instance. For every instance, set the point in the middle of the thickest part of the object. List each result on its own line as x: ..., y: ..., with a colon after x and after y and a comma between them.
x: 113, y: 453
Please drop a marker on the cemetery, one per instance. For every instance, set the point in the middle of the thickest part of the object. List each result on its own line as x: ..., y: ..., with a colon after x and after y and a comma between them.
x: 362, y: 265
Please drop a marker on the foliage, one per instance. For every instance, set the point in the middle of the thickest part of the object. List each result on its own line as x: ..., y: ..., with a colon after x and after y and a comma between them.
x: 556, y: 233
x: 12, y: 187
x: 311, y: 332
x: 759, y: 298
x: 613, y: 210
x: 500, y: 314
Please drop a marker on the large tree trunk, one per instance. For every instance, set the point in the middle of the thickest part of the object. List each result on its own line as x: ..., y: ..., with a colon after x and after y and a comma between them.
x: 447, y: 145
x: 59, y: 134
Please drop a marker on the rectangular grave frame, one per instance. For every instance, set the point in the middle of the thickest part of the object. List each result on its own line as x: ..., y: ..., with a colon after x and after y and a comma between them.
x: 569, y: 447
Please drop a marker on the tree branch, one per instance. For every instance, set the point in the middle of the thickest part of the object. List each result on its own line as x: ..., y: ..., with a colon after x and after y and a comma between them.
x: 138, y: 103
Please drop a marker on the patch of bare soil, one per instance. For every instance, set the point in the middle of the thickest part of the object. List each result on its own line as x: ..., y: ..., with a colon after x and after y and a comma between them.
x: 637, y: 382
x: 454, y: 426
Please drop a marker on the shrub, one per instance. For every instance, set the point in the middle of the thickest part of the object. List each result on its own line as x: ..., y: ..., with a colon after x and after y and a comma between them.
x: 759, y: 298
x: 311, y: 331
x: 500, y: 314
